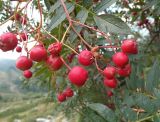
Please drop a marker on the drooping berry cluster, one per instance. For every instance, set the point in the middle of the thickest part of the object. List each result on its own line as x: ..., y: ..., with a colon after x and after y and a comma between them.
x: 121, y: 61
x: 67, y: 93
x: 78, y: 75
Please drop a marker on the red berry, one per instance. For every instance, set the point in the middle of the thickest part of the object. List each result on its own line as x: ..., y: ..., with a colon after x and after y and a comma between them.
x: 78, y: 76
x: 85, y: 58
x: 54, y: 63
x: 61, y: 97
x: 109, y: 93
x: 109, y: 72
x: 23, y: 63
x: 120, y: 59
x: 55, y: 48
x: 27, y: 74
x: 111, y: 83
x: 18, y: 49
x: 23, y: 36
x: 124, y: 72
x: 8, y: 41
x: 129, y: 46
x: 69, y: 92
x: 38, y: 53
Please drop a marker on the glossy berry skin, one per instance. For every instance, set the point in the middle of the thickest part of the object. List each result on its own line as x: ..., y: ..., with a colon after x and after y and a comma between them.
x: 54, y: 63
x: 8, y: 41
x: 85, y: 58
x: 129, y: 46
x: 120, y: 59
x: 111, y: 83
x: 18, y: 49
x: 124, y: 72
x: 78, y: 76
x: 23, y: 37
x: 61, y: 97
x: 69, y: 92
x: 109, y: 72
x: 55, y: 48
x: 27, y: 74
x: 38, y: 53
x: 109, y: 93
x: 23, y: 63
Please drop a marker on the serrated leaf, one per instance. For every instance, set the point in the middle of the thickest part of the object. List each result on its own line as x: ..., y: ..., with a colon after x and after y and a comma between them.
x: 55, y: 6
x: 60, y: 16
x: 153, y: 77
x: 129, y: 114
x: 104, y: 4
x: 103, y: 111
x: 111, y: 23
x: 81, y: 16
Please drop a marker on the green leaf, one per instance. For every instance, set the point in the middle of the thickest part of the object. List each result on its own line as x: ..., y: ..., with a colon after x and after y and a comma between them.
x: 129, y: 114
x: 111, y: 23
x: 104, y: 4
x: 55, y: 6
x: 103, y: 111
x: 153, y: 77
x: 60, y: 16
x: 81, y: 16
x: 0, y: 5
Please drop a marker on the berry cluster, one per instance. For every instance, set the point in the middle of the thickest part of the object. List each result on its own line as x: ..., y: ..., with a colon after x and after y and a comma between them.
x: 121, y: 61
x: 67, y: 93
x: 77, y: 75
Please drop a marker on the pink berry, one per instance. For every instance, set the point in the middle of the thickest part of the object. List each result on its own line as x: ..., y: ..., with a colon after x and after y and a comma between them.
x: 85, y: 58
x: 55, y: 48
x: 23, y: 63
x: 8, y: 41
x: 78, y: 76
x: 124, y: 72
x: 38, y: 53
x: 61, y: 97
x: 109, y: 72
x: 69, y: 92
x: 120, y: 59
x: 111, y: 83
x: 129, y: 46
x: 54, y: 63
x: 27, y: 74
x: 18, y: 49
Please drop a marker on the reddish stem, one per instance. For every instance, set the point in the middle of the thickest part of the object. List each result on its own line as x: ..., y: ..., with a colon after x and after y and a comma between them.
x: 65, y: 63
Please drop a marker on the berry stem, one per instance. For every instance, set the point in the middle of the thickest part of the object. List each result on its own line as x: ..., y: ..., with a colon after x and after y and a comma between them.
x: 51, y: 35
x: 71, y: 48
x: 70, y: 23
x: 95, y: 60
x: 65, y: 63
x: 66, y: 11
x: 109, y: 46
x: 64, y: 35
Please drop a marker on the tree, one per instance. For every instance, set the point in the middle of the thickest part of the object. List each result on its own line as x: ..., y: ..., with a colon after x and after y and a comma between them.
x: 91, y: 55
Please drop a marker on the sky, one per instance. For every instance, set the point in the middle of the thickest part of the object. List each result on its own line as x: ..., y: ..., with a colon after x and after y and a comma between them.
x: 3, y: 29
